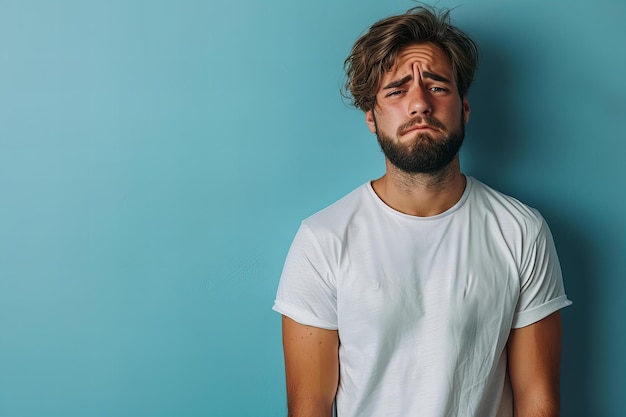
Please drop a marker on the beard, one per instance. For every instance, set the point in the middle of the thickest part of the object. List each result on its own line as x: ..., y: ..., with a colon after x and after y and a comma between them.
x: 426, y: 153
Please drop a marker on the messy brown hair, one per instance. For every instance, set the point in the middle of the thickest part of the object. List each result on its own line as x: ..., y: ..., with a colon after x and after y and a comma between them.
x: 375, y: 52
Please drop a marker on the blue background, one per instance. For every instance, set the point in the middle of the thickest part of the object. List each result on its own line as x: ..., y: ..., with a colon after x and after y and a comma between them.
x: 157, y: 157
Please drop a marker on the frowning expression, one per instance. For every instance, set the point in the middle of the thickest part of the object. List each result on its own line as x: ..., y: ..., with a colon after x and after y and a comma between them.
x: 419, y: 115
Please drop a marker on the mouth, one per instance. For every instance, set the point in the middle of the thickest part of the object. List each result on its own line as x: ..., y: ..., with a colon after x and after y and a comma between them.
x: 421, y: 124
x: 418, y: 128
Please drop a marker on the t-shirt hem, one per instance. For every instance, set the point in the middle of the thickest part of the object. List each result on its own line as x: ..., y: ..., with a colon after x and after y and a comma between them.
x: 302, y: 316
x: 526, y: 318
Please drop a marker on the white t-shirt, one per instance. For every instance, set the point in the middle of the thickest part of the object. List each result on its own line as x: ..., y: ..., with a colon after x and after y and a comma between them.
x: 423, y: 305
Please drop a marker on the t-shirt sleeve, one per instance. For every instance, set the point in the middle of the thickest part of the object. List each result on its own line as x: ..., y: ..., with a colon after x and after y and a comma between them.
x: 307, y: 289
x: 542, y: 291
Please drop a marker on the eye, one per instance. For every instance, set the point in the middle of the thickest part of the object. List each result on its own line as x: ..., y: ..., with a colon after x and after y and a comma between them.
x: 438, y: 90
x: 394, y: 93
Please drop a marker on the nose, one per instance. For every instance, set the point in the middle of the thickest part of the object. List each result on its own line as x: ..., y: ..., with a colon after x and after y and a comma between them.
x: 419, y: 97
x: 419, y: 101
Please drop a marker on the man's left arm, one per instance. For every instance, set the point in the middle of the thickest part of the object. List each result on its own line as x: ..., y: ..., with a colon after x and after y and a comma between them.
x: 534, y: 354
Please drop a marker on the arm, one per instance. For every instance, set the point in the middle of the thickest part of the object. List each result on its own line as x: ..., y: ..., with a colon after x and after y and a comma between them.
x: 312, y: 368
x: 534, y: 364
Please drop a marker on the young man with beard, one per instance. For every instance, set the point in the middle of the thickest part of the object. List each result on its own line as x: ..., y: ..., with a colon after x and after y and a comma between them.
x: 424, y: 292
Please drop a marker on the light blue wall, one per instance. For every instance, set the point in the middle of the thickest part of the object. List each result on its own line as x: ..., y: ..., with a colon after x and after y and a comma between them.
x: 156, y: 158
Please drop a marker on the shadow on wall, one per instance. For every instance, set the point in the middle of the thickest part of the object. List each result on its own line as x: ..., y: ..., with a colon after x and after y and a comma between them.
x: 494, y: 153
x: 493, y: 139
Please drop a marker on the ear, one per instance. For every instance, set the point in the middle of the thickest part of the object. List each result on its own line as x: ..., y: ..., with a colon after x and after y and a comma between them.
x: 371, y: 122
x: 466, y: 110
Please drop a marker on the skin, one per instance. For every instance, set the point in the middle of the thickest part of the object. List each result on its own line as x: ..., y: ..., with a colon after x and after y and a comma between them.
x: 312, y: 369
x: 421, y: 83
x: 534, y: 354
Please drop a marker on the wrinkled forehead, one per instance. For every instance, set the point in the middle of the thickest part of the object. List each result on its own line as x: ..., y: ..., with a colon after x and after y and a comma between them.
x: 423, y: 57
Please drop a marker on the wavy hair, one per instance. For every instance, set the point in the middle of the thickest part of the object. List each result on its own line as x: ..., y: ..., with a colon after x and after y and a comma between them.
x: 375, y: 52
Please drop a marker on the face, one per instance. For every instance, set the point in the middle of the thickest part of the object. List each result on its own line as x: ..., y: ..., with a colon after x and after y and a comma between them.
x: 419, y: 116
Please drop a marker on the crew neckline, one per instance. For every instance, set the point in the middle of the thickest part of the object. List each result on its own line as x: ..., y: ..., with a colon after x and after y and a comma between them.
x: 469, y: 183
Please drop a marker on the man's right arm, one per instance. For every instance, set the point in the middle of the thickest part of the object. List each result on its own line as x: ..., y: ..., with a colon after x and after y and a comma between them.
x: 312, y: 368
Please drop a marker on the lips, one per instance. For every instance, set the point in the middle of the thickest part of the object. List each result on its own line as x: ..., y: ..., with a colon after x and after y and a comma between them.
x: 418, y: 127
x: 421, y: 123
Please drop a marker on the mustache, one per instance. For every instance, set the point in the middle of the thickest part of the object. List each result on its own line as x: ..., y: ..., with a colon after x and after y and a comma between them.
x: 420, y: 120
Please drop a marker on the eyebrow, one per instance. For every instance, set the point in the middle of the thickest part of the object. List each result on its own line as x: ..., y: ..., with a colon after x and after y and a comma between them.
x: 406, y: 79
x: 435, y: 77
x: 398, y: 83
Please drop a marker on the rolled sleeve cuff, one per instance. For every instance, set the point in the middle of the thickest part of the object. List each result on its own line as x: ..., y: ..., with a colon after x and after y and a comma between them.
x: 535, y: 314
x: 302, y: 316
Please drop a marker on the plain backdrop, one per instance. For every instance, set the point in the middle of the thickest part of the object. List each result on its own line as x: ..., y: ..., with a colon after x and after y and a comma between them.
x: 157, y: 157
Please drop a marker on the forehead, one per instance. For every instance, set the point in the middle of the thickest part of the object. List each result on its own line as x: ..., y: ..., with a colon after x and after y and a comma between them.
x: 427, y: 56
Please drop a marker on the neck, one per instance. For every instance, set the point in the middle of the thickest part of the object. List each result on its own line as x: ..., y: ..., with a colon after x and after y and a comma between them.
x: 419, y: 194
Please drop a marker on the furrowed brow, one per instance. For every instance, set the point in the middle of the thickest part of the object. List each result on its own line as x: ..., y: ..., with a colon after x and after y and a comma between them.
x: 398, y: 83
x: 435, y: 77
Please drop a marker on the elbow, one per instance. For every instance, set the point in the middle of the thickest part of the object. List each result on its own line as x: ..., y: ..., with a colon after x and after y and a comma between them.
x: 541, y: 406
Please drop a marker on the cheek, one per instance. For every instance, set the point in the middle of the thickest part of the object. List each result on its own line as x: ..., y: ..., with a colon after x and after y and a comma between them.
x: 387, y: 117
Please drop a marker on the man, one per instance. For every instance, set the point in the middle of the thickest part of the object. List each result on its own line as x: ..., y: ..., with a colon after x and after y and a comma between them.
x: 424, y: 292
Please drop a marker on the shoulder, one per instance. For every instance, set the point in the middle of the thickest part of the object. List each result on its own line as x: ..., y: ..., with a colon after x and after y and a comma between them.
x: 507, y: 211
x: 341, y: 213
